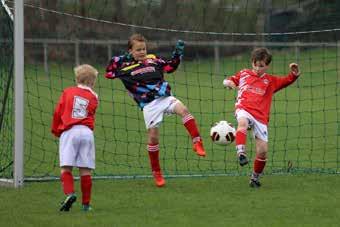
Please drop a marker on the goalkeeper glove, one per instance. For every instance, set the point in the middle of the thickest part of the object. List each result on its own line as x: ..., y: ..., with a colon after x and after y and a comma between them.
x: 127, y: 57
x: 179, y: 48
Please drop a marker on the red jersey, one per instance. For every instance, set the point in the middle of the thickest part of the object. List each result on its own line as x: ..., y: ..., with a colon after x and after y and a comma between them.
x: 76, y: 106
x: 255, y: 92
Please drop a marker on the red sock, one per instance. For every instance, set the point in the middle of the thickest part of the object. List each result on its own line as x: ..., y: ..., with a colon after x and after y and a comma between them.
x: 86, y: 186
x: 153, y: 150
x: 259, y: 164
x: 67, y: 182
x: 240, y: 140
x: 241, y: 137
x: 191, y: 126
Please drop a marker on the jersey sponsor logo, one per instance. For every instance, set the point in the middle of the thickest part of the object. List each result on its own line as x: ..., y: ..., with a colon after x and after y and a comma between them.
x: 80, y: 105
x: 143, y: 70
x: 256, y: 90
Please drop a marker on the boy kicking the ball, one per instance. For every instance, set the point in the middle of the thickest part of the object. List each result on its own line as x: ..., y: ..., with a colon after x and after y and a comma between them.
x: 252, y: 108
x: 73, y: 122
x: 143, y: 76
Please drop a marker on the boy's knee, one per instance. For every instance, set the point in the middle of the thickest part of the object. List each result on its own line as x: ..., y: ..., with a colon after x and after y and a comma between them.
x: 262, y: 150
x: 84, y: 171
x: 185, y: 111
x: 262, y: 154
x: 153, y: 140
x: 181, y: 109
x: 242, y: 124
x: 66, y: 169
x: 153, y: 136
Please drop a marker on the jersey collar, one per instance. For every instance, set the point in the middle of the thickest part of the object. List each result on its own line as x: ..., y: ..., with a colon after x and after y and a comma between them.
x: 88, y: 88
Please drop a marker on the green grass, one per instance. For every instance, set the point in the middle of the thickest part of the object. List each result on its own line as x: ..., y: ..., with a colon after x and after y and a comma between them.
x: 284, y: 200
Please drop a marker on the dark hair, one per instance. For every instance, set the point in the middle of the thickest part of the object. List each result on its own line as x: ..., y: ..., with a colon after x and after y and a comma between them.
x: 136, y: 37
x: 261, y: 54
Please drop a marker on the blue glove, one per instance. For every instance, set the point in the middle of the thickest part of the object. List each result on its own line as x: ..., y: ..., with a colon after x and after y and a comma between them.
x: 179, y: 48
x: 127, y: 57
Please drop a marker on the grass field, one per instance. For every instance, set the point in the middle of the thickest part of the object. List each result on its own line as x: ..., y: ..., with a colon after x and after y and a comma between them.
x: 284, y: 200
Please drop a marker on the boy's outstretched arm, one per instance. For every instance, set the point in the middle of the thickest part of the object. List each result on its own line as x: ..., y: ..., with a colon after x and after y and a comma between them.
x: 179, y: 49
x: 282, y: 82
x: 116, y: 63
x: 232, y: 82
x: 229, y: 84
x: 294, y: 69
x: 172, y: 64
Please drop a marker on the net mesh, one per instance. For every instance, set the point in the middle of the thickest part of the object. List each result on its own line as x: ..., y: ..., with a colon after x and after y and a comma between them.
x: 6, y: 94
x: 219, y: 36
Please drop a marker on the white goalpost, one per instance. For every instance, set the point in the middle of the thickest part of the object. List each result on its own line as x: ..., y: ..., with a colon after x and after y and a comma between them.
x: 19, y: 92
x: 18, y: 151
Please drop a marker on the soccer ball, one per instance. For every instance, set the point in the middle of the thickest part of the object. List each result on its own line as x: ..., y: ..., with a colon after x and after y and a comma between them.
x: 222, y: 133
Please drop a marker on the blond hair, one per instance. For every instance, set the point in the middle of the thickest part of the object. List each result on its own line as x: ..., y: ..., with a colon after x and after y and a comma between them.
x: 85, y: 75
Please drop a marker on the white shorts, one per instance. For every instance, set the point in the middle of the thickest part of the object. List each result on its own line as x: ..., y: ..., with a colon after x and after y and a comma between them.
x: 260, y: 130
x: 154, y: 111
x: 76, y: 147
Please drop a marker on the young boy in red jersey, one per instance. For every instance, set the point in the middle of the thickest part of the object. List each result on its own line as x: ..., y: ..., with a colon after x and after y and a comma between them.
x: 73, y: 122
x: 143, y: 76
x: 252, y: 108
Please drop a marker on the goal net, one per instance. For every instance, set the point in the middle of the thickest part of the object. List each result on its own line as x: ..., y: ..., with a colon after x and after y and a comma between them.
x: 6, y: 93
x: 219, y: 35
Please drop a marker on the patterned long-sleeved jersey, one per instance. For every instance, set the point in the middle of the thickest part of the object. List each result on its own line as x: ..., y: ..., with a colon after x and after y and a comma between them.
x: 144, y: 80
x: 255, y: 92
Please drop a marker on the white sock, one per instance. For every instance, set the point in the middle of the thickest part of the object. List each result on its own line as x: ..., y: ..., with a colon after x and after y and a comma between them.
x: 240, y: 149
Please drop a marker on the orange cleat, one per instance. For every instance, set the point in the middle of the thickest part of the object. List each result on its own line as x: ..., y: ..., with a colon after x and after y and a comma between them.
x: 159, y: 179
x: 199, y: 149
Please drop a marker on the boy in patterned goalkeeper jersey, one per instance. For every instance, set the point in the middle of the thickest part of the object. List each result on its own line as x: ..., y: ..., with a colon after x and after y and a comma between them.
x: 252, y: 108
x: 143, y: 76
x: 73, y: 122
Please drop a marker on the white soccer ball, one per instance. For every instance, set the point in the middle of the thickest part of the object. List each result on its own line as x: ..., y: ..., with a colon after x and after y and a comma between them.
x: 222, y: 133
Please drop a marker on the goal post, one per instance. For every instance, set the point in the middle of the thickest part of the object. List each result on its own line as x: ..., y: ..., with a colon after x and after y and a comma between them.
x: 15, y: 176
x: 19, y: 70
